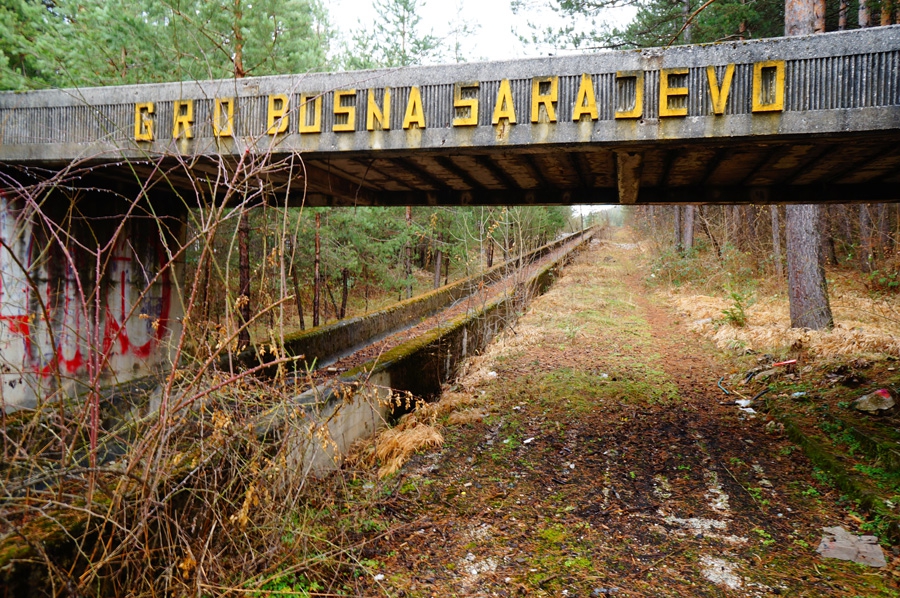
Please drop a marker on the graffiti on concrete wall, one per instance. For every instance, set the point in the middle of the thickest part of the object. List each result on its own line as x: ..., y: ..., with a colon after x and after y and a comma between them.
x: 50, y: 336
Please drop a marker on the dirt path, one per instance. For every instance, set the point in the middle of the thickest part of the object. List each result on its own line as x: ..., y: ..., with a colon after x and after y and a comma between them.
x: 608, y: 466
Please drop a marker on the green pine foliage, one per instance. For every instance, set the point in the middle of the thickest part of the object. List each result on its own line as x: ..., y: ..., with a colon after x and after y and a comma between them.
x: 78, y: 43
x: 394, y: 39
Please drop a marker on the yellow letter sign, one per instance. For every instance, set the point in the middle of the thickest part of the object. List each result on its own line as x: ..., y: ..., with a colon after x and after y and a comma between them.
x: 143, y: 124
x: 415, y: 113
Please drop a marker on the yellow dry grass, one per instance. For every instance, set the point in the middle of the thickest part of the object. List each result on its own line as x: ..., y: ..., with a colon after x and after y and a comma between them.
x: 467, y: 416
x: 863, y: 325
x: 414, y: 432
x: 394, y: 446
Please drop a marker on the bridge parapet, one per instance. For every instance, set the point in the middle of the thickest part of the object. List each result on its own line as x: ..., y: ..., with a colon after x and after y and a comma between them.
x: 488, y: 132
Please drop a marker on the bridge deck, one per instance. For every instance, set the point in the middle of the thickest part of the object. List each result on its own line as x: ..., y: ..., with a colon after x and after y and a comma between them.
x: 813, y: 118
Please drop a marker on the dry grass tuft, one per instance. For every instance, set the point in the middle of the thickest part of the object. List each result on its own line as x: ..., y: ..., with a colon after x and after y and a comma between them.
x: 468, y: 416
x: 863, y: 325
x: 395, y: 446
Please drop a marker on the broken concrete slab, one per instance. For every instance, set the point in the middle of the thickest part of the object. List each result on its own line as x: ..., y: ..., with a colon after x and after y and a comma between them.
x: 838, y: 543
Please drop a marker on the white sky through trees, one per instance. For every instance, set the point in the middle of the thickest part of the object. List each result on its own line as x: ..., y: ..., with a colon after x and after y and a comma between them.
x: 493, y: 21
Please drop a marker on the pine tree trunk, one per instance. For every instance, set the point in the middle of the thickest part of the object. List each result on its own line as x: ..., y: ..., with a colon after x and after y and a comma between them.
x: 345, y: 290
x: 887, y: 12
x: 317, y: 282
x: 776, y: 243
x: 244, y: 278
x: 676, y: 228
x: 807, y: 288
x: 687, y: 226
x: 866, y: 239
x: 334, y: 305
x: 842, y: 14
x: 408, y: 264
x: 708, y: 230
x: 438, y: 260
x: 819, y: 8
x: 864, y: 15
x: 882, y: 224
x: 296, y: 282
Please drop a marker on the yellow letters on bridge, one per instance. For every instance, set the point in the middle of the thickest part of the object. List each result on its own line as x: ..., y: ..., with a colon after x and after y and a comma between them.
x: 465, y: 108
x: 544, y: 92
x: 347, y: 108
x: 633, y: 106
x: 415, y: 113
x: 278, y: 108
x: 311, y: 122
x: 767, y: 95
x: 586, y: 100
x: 374, y: 113
x: 668, y: 93
x: 223, y: 117
x: 183, y: 119
x: 768, y: 86
x: 718, y: 96
x: 505, y: 107
x: 143, y: 124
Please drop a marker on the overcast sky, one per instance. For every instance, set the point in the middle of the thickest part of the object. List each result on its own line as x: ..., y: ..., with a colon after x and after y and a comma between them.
x: 494, y: 38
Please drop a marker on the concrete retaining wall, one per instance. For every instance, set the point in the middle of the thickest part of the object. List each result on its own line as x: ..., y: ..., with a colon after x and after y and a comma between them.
x: 55, y: 333
x: 325, y: 343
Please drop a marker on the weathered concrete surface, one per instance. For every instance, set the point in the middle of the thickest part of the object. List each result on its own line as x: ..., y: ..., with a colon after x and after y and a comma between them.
x: 799, y: 119
x: 61, y: 329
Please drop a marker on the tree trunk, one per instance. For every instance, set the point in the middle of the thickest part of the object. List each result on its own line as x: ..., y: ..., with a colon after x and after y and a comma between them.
x: 365, y: 274
x: 799, y: 17
x: 807, y: 288
x: 446, y: 268
x: 882, y: 224
x: 408, y: 264
x: 317, y: 283
x: 819, y: 9
x: 842, y: 14
x: 490, y: 252
x: 887, y: 12
x: 865, y: 17
x: 296, y: 282
x: 776, y: 243
x: 866, y: 239
x: 708, y: 230
x: 676, y: 227
x: 345, y: 290
x: 334, y: 305
x: 438, y: 260
x: 244, y: 278
x: 687, y: 226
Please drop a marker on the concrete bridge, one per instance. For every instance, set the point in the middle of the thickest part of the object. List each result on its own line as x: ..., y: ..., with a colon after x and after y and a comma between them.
x: 95, y: 183
x: 803, y: 119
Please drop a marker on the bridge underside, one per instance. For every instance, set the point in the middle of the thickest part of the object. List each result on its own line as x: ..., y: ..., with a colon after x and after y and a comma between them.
x: 861, y: 168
